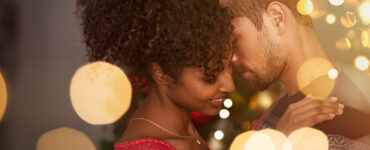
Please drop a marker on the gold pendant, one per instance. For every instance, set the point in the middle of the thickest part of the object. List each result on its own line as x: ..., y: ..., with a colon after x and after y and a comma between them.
x: 199, y: 142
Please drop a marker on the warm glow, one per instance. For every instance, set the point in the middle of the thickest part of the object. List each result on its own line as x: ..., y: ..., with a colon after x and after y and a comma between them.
x: 343, y: 44
x: 349, y: 20
x: 309, y: 139
x: 64, y: 139
x: 364, y: 11
x: 3, y: 96
x: 269, y: 139
x: 362, y: 63
x: 253, y: 102
x: 336, y: 2
x: 305, y: 7
x: 219, y: 135
x: 224, y: 113
x: 280, y: 141
x: 333, y: 73
x: 365, y: 39
x: 260, y: 141
x: 100, y: 93
x: 228, y: 103
x: 264, y: 100
x: 315, y: 69
x: 330, y: 19
x: 240, y: 140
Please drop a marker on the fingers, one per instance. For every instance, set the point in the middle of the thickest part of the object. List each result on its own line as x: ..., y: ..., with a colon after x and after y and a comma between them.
x: 310, y: 111
x: 318, y: 119
x: 308, y: 99
x: 319, y: 106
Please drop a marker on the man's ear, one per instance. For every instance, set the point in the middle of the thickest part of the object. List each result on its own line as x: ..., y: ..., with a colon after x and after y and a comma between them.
x: 277, y: 14
x: 158, y: 75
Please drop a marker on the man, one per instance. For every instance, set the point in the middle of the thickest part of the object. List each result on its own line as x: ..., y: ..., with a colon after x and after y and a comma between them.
x: 274, y: 41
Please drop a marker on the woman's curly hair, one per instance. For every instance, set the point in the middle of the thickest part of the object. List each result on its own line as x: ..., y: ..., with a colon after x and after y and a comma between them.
x: 172, y: 33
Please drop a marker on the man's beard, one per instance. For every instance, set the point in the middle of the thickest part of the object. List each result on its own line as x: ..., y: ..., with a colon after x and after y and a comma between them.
x: 273, y: 68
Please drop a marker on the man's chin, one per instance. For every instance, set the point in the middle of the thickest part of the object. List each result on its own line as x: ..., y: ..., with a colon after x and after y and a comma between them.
x: 257, y: 86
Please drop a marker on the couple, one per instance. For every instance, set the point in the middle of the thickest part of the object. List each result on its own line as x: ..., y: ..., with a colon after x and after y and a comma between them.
x: 186, y: 49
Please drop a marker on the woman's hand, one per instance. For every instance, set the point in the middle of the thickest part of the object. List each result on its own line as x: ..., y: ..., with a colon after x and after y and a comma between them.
x: 308, y: 112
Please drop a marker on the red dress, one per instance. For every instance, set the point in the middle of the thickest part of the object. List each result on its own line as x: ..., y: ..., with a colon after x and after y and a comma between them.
x: 145, y: 144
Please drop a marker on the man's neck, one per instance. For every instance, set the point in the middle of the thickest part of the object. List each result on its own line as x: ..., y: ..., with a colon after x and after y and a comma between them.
x: 306, y: 49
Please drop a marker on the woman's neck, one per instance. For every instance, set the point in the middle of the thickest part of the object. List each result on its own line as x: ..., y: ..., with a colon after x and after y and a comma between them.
x: 159, y: 108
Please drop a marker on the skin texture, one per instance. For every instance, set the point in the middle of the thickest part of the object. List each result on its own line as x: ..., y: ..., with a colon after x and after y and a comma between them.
x: 182, y: 48
x: 169, y: 104
x: 275, y: 52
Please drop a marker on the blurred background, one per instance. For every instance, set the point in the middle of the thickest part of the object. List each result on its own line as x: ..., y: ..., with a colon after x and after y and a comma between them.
x: 41, y: 48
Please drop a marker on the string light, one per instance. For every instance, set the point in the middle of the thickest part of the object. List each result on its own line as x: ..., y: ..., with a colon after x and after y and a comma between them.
x: 228, y: 103
x: 336, y: 2
x: 219, y: 135
x: 362, y: 63
x: 224, y: 113
x: 333, y: 73
x: 330, y: 19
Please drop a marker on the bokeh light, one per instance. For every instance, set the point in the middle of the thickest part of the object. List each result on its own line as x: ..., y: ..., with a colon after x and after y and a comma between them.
x: 336, y: 2
x: 3, y: 96
x: 224, y: 113
x: 364, y: 11
x: 309, y: 139
x: 228, y: 103
x: 333, y: 73
x: 330, y: 19
x: 365, y: 38
x: 362, y: 63
x: 100, y: 93
x: 219, y: 135
x: 264, y: 100
x: 260, y: 141
x: 315, y: 69
x: 305, y: 7
x: 270, y: 139
x: 253, y: 102
x: 343, y: 44
x: 266, y: 139
x: 240, y: 140
x: 64, y: 139
x: 349, y: 19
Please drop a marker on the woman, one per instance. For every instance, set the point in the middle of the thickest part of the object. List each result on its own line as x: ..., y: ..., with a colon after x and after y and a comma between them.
x: 182, y: 47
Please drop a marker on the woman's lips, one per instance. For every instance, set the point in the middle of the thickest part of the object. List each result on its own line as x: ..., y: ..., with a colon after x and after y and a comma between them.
x: 218, y: 102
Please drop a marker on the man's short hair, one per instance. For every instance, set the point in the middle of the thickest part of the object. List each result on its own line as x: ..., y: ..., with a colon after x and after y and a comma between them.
x: 254, y: 9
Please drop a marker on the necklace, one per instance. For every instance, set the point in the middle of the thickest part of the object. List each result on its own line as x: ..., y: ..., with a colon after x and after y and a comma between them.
x: 168, y: 131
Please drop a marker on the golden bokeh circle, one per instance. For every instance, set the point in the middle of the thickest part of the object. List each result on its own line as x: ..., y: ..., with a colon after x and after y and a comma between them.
x: 305, y: 7
x: 309, y: 139
x: 64, y: 139
x: 313, y: 78
x: 364, y: 12
x: 331, y: 19
x: 240, y: 140
x: 3, y: 96
x: 349, y: 19
x: 275, y: 140
x: 365, y: 40
x: 100, y: 93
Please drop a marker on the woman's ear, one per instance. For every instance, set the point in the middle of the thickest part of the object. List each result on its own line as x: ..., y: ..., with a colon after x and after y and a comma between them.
x: 158, y: 75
